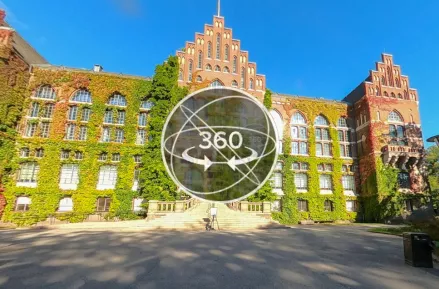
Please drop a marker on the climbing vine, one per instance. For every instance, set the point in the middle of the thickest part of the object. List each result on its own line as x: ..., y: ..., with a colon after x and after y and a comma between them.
x: 267, y: 99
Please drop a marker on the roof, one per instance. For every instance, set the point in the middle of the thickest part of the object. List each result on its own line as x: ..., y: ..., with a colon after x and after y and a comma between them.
x: 321, y: 99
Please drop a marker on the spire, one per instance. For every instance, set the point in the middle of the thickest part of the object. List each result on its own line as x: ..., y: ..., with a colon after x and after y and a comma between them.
x: 219, y: 8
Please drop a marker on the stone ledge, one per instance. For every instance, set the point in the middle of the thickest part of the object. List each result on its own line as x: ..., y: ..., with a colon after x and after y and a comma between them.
x: 306, y: 222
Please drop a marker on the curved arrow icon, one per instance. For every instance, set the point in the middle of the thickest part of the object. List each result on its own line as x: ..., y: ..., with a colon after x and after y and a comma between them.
x: 206, y: 162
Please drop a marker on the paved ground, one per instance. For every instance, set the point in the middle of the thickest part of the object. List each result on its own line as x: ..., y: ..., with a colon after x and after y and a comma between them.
x: 300, y: 257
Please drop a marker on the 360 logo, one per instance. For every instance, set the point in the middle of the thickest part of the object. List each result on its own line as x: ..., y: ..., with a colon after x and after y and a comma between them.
x: 219, y: 144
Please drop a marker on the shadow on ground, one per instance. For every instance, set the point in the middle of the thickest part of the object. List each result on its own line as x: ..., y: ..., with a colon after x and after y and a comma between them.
x: 300, y: 257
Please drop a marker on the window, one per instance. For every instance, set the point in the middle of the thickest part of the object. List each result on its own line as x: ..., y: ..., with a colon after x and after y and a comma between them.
x: 24, y: 153
x: 329, y: 206
x: 392, y: 95
x: 31, y: 128
x: 396, y: 132
x: 321, y: 121
x: 217, y: 68
x: 242, y: 77
x: 85, y: 114
x: 120, y: 117
x: 216, y: 83
x: 65, y: 154
x: 44, y: 129
x: 82, y: 133
x: 218, y: 46
x: 234, y: 84
x: 377, y: 91
x: 119, y: 135
x: 108, y: 117
x: 344, y: 138
x: 103, y: 157
x: 106, y: 134
x: 39, y: 153
x: 73, y: 112
x: 142, y: 119
x: 45, y: 92
x: 209, y: 49
x: 394, y: 116
x: 103, y: 204
x: 180, y: 75
x: 70, y: 133
x: 199, y: 78
x: 351, y: 206
x: 137, y: 159
x: 226, y: 53
x: 404, y: 180
x: 299, y: 134
x: 82, y: 96
x: 324, y: 167
x: 34, y: 110
x: 325, y: 182
x: 226, y: 69
x: 301, y: 181
x: 323, y: 145
x: 22, y: 204
x: 299, y: 148
x: 235, y: 63
x: 141, y: 137
x: 302, y: 205
x: 383, y: 80
x: 65, y: 205
x: 208, y: 67
x: 136, y: 179
x: 69, y: 177
x: 200, y: 59
x: 146, y: 104
x: 251, y: 84
x: 117, y: 100
x: 190, y: 69
x: 28, y: 172
x: 115, y: 157
x: 48, y: 110
x: 79, y: 155
x: 138, y: 205
x: 300, y: 166
x: 348, y: 183
x: 107, y: 178
x: 276, y: 180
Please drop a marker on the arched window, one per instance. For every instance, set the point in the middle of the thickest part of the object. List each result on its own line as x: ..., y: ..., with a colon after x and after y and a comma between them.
x: 216, y: 83
x: 217, y: 68
x: 377, y: 91
x: 394, y: 116
x: 392, y: 95
x: 234, y: 84
x: 235, y: 63
x: 397, y: 83
x: 82, y: 96
x: 45, y: 92
x: 226, y: 53
x: 389, y: 76
x: 299, y: 134
x: 396, y: 129
x: 190, y: 69
x: 180, y: 75
x: 117, y: 100
x: 386, y: 94
x: 383, y: 80
x: 251, y: 84
x: 279, y: 126
x: 200, y: 59
x: 226, y: 69
x: 218, y: 46
x: 406, y: 95
x: 400, y: 95
x: 323, y: 140
x: 199, y: 78
x: 208, y: 67
x: 344, y: 138
x: 242, y: 77
x: 209, y: 49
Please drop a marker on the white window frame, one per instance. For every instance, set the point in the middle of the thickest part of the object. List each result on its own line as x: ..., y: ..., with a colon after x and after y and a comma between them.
x: 69, y: 177
x: 107, y: 178
x: 65, y: 205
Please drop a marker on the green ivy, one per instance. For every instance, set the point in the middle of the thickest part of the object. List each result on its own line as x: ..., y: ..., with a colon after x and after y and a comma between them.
x: 267, y: 99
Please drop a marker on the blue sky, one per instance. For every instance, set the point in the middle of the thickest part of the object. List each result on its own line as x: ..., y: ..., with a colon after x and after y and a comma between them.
x: 314, y: 48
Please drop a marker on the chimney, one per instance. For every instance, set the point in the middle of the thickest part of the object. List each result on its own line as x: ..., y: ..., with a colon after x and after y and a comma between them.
x: 97, y: 68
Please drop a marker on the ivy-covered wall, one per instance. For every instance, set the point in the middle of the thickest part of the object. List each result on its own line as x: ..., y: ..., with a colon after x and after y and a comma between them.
x: 290, y: 214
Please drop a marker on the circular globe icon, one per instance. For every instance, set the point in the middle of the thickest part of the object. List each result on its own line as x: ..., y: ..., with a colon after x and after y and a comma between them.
x: 219, y: 144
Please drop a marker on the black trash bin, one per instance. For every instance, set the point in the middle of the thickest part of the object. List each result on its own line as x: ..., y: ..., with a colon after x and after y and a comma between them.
x: 418, y: 250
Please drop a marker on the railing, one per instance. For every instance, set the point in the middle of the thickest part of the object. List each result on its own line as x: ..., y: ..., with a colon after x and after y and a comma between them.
x: 189, y: 204
x: 255, y: 207
x: 166, y: 206
x: 171, y: 206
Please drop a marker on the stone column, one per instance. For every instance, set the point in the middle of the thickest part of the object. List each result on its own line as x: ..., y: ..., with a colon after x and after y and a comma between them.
x: 179, y: 206
x: 153, y: 206
x: 266, y: 207
x: 244, y: 206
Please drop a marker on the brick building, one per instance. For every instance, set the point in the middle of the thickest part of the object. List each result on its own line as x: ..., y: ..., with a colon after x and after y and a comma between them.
x: 92, y: 132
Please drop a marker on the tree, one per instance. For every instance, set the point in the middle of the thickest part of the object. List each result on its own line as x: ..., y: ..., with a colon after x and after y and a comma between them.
x: 265, y: 193
x: 165, y: 94
x: 432, y: 164
x: 267, y: 99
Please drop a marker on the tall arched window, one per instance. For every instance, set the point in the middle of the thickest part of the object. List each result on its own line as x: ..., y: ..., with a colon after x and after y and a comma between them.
x: 299, y: 134
x: 209, y: 49
x: 218, y: 46
x: 279, y: 126
x: 117, y: 99
x: 200, y: 59
x: 78, y: 115
x: 377, y: 91
x: 41, y: 112
x: 406, y: 95
x: 45, y: 92
x: 389, y: 76
x: 383, y: 80
x: 323, y: 140
x: 226, y: 53
x: 180, y: 75
x: 396, y: 129
x: 190, y: 69
x: 242, y: 77
x: 251, y: 84
x: 397, y: 82
x: 114, y: 117
x: 345, y: 138
x: 235, y: 63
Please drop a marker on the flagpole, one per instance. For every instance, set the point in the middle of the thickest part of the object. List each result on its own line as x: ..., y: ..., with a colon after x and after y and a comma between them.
x: 219, y: 8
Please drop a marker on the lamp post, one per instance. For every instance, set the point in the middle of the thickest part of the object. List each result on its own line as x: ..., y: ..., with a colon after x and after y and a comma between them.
x: 434, y: 139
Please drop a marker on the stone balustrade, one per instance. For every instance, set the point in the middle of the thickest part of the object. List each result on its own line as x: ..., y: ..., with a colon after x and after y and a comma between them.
x: 179, y: 206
